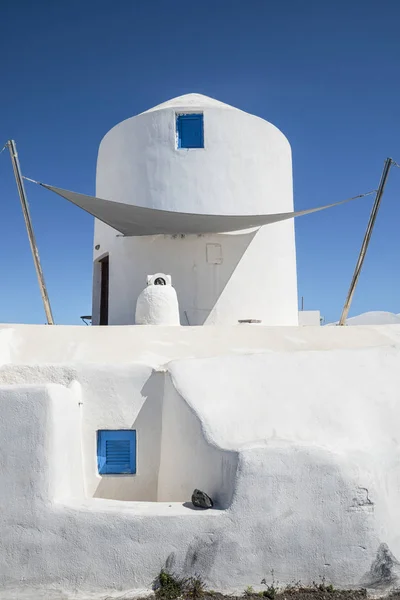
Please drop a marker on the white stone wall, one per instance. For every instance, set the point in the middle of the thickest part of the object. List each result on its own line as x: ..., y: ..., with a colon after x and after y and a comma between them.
x: 25, y: 346
x: 244, y: 168
x: 309, y: 318
x: 298, y: 446
x: 189, y: 459
x: 197, y: 282
x: 122, y: 398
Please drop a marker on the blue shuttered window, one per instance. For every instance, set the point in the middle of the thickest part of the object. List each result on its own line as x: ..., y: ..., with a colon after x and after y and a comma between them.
x: 190, y: 130
x: 116, y: 452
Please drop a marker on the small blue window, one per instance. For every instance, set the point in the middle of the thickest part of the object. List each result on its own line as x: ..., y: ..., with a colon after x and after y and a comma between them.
x: 190, y: 131
x: 116, y: 452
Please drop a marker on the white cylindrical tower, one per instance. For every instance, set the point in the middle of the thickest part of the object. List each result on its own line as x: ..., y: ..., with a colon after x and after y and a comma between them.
x: 194, y: 154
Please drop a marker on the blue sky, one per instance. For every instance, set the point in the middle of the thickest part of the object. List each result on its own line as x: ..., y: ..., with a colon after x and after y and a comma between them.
x: 326, y: 73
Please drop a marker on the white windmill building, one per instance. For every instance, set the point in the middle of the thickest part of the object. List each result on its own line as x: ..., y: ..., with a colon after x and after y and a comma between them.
x: 199, y: 156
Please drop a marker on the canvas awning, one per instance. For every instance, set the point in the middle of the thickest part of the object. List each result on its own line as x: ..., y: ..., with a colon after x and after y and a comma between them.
x: 133, y: 220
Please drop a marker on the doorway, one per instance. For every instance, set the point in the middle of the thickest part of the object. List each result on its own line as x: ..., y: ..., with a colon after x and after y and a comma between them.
x: 104, y: 285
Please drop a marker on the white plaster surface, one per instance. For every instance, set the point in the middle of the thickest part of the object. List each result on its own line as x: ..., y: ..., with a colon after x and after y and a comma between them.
x: 192, y: 460
x: 120, y: 398
x: 244, y: 168
x: 156, y: 345
x: 293, y: 431
x: 139, y: 163
x: 309, y: 318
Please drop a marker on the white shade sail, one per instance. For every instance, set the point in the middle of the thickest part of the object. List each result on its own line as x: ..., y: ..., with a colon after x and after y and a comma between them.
x: 133, y: 220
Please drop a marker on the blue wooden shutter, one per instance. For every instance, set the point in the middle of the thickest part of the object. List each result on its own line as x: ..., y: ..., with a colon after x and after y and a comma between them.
x: 190, y: 129
x: 116, y: 451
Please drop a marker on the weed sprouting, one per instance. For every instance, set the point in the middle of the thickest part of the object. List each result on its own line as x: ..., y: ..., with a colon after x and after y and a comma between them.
x: 195, y: 588
x: 249, y: 591
x: 170, y: 586
x: 272, y: 589
x: 322, y: 587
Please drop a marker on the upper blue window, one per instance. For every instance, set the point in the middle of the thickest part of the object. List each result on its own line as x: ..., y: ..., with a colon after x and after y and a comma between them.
x: 116, y: 451
x: 190, y: 130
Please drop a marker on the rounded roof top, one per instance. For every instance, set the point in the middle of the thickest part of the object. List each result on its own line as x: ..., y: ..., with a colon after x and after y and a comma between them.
x: 191, y: 101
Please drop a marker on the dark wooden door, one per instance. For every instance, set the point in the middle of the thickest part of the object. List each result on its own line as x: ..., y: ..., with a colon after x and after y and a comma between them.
x: 104, y: 266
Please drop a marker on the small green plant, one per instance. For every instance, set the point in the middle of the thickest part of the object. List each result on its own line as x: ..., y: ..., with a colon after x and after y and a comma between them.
x: 249, y: 591
x: 270, y: 592
x: 272, y: 589
x: 194, y: 588
x: 293, y: 588
x: 169, y: 586
x: 322, y: 587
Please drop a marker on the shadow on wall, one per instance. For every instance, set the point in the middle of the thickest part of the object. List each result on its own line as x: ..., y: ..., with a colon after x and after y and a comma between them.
x: 219, y: 256
x: 143, y: 485
x: 200, y: 267
x: 188, y: 459
x: 173, y: 455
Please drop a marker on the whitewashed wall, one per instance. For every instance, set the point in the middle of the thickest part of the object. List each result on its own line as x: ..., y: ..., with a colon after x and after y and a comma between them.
x: 190, y: 460
x: 244, y: 168
x: 21, y: 354
x: 122, y: 398
x: 309, y: 318
x: 316, y: 487
x: 197, y: 282
x: 66, y: 466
